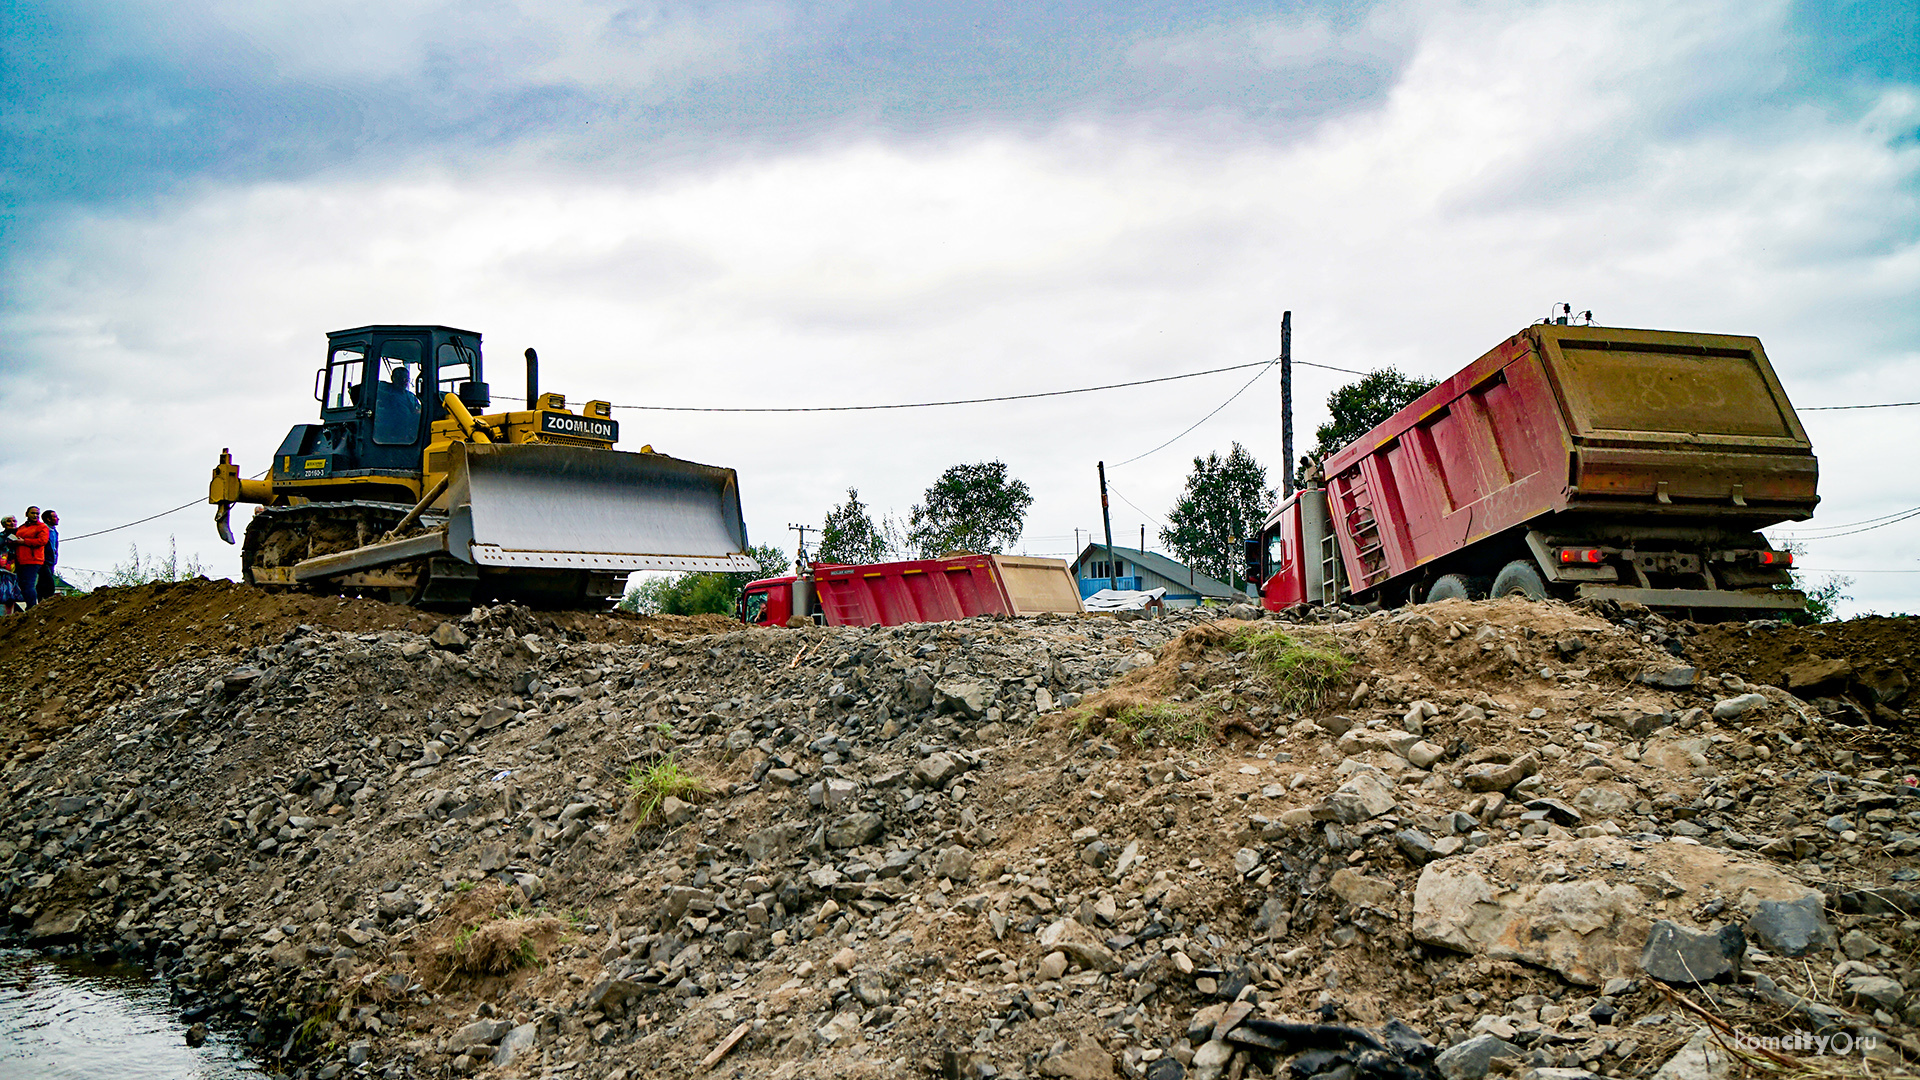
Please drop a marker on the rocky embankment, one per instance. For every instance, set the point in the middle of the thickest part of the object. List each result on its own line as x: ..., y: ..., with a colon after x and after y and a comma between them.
x: 1450, y: 841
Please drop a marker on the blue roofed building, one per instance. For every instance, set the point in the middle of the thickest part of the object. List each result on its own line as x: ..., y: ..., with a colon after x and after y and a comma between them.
x: 1142, y: 570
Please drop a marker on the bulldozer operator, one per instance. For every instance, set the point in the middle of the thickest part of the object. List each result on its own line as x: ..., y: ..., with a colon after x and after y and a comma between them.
x: 396, y: 416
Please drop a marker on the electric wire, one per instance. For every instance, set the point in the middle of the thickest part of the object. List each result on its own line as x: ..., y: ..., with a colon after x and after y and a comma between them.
x: 1880, y: 405
x: 151, y: 517
x: 131, y: 524
x: 1135, y: 505
x: 1851, y: 524
x: 975, y: 401
x: 1905, y: 516
x: 1236, y: 394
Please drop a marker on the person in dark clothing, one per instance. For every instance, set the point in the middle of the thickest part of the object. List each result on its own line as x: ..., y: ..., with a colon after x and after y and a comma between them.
x: 30, y: 553
x: 9, y: 583
x: 49, y: 584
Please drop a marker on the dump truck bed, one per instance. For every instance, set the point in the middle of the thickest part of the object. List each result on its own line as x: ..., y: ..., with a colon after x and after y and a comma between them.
x: 1568, y: 423
x: 935, y: 590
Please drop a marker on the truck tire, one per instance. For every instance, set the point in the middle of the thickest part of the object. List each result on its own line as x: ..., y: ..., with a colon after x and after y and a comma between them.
x: 1451, y: 587
x: 1519, y: 578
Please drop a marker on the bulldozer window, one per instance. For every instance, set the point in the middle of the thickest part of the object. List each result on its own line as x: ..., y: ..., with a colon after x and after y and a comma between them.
x: 345, y: 370
x: 456, y: 366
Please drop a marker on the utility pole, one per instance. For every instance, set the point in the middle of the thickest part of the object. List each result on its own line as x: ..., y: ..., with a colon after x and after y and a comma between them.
x: 800, y: 561
x: 1286, y: 404
x: 1106, y: 519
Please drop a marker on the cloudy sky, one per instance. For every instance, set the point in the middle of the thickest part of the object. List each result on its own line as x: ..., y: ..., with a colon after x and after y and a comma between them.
x: 758, y: 204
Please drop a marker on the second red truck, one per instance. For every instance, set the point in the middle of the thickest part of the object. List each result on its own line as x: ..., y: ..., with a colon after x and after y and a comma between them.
x: 1570, y: 461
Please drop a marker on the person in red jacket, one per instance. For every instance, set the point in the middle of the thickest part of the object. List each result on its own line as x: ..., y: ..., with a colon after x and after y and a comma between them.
x: 31, y: 554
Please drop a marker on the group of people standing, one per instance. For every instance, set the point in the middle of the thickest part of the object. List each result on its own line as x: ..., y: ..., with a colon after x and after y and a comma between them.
x: 28, y: 555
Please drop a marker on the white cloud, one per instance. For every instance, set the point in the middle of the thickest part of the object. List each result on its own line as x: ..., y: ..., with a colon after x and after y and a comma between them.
x: 1524, y: 158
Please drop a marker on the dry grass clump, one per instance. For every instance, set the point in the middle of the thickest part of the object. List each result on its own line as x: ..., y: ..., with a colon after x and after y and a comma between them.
x: 501, y: 946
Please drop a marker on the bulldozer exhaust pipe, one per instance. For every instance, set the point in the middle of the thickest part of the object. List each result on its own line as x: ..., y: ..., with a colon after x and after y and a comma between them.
x: 533, y: 379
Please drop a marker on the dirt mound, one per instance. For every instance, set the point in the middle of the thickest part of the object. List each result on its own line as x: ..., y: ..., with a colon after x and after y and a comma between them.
x: 1059, y: 847
x: 1881, y: 658
x: 63, y: 662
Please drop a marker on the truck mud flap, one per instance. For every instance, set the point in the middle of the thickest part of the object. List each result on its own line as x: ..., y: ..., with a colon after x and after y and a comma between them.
x: 543, y: 506
x: 1787, y: 600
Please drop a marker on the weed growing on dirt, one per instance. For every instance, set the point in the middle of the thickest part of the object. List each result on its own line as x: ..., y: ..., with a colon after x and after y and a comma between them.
x: 1162, y: 722
x: 497, y: 947
x: 652, y: 784
x: 1299, y: 670
x: 1145, y: 725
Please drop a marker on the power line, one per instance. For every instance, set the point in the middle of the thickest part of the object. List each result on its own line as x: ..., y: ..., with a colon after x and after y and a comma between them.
x: 1904, y: 516
x: 1135, y: 505
x: 1824, y: 570
x: 131, y: 524
x: 1848, y: 525
x: 1881, y: 405
x: 972, y: 401
x: 1270, y: 365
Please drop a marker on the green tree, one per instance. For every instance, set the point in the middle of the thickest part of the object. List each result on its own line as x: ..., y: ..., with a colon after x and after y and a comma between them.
x: 139, y: 571
x: 703, y: 593
x: 1821, y: 598
x: 976, y: 508
x: 1226, y: 500
x: 849, y: 534
x: 1359, y: 407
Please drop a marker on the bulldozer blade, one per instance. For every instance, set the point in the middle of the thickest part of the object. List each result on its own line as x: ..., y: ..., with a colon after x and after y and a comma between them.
x: 541, y: 505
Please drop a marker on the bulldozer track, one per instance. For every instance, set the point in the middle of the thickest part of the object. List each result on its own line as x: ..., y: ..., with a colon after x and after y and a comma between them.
x: 281, y: 536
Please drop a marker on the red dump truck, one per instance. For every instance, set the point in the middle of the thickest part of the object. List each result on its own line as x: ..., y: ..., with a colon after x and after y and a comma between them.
x: 921, y: 590
x: 1571, y: 461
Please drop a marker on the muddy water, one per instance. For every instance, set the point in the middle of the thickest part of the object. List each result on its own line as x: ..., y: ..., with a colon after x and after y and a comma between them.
x: 67, y: 1020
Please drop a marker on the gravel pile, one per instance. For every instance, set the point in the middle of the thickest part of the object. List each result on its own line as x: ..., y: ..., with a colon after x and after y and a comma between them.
x: 1503, y: 838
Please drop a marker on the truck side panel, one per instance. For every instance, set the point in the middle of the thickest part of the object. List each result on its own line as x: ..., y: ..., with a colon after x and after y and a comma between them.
x: 936, y: 590
x: 928, y: 590
x: 1483, y: 451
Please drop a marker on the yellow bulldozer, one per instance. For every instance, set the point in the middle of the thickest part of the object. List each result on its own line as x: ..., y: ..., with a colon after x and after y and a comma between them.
x: 409, y: 490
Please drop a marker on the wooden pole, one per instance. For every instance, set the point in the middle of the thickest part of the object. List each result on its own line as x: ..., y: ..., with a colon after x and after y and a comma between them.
x: 1286, y: 404
x: 1106, y: 519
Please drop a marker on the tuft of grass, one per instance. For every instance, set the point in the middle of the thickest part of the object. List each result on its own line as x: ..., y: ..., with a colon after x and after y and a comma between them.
x: 1143, y: 725
x: 652, y: 784
x: 1160, y: 723
x: 497, y: 947
x: 1301, y: 671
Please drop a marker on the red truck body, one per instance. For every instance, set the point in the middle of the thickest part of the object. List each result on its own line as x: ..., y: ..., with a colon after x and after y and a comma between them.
x: 1637, y: 464
x: 919, y: 590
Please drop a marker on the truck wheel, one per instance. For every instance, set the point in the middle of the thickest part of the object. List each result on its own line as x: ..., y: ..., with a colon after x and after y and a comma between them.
x: 1451, y: 587
x: 1519, y: 578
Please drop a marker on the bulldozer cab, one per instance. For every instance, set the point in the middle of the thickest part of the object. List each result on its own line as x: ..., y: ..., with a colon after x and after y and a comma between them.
x: 380, y: 392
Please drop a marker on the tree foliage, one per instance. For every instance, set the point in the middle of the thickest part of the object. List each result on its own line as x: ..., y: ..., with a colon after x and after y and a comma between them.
x: 1226, y: 500
x: 1359, y: 407
x: 849, y: 534
x: 1821, y: 598
x: 703, y: 593
x: 976, y: 508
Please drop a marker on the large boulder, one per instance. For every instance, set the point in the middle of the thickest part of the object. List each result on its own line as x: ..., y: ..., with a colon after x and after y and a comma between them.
x: 1583, y: 908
